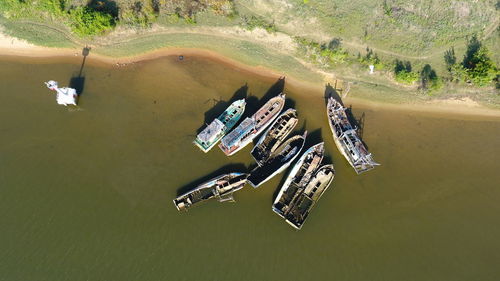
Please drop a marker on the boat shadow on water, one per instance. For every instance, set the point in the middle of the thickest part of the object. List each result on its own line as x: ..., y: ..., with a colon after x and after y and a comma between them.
x: 221, y: 105
x: 230, y: 168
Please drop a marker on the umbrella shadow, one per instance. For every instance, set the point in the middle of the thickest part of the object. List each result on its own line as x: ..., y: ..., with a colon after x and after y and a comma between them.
x: 77, y: 82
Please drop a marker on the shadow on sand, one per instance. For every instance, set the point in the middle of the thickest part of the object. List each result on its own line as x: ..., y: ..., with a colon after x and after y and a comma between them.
x: 77, y: 82
x: 230, y: 168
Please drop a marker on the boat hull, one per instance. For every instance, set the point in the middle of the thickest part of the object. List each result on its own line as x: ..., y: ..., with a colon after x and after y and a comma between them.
x: 220, y: 187
x: 216, y: 130
x: 253, y: 126
x: 289, y: 151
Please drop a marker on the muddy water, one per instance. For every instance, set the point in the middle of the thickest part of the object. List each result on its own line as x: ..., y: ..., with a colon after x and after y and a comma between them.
x: 85, y: 194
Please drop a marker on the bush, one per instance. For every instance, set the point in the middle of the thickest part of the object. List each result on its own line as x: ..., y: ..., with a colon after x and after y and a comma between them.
x: 253, y: 22
x: 477, y: 66
x: 403, y: 72
x: 371, y: 58
x: 85, y: 21
x: 429, y: 80
x: 406, y: 77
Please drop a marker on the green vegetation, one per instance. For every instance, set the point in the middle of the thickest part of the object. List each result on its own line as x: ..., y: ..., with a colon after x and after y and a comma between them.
x: 323, y: 53
x: 85, y: 21
x: 477, y: 66
x: 429, y: 80
x: 253, y: 22
x: 403, y: 72
x: 371, y: 58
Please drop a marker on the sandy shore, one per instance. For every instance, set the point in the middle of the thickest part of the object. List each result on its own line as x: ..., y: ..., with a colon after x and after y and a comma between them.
x: 15, y: 48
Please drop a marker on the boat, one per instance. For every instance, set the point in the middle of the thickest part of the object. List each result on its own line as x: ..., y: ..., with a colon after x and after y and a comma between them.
x: 65, y: 96
x: 207, y: 138
x: 274, y: 135
x: 221, y: 187
x: 347, y: 140
x: 298, y: 178
x: 305, y: 200
x: 252, y: 126
x: 280, y: 160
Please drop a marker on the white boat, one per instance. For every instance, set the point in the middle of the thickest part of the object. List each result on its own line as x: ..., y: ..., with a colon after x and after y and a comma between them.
x: 252, y: 126
x: 65, y: 95
x: 209, y: 137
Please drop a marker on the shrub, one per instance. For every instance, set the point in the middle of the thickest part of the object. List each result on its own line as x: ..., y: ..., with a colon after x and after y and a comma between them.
x: 403, y: 72
x: 85, y: 21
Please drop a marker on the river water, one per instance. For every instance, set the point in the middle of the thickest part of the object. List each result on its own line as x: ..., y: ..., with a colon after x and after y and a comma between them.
x: 86, y: 194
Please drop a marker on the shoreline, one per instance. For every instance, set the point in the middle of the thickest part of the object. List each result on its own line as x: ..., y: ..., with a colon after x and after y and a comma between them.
x: 14, y: 49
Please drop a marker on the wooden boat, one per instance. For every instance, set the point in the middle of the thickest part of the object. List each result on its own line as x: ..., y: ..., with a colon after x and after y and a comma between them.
x: 274, y: 135
x: 305, y: 201
x: 298, y: 178
x: 347, y: 140
x: 252, y: 126
x: 282, y: 158
x: 221, y: 187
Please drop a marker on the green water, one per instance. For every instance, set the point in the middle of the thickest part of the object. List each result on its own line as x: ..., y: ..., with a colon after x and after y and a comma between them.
x: 86, y: 194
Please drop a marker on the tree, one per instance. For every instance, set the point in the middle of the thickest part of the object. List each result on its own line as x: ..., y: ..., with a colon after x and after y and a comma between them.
x: 429, y: 80
x: 449, y: 58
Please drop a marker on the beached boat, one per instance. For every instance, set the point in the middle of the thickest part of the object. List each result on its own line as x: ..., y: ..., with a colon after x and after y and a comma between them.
x: 347, y: 140
x: 207, y: 138
x: 304, y: 201
x: 221, y: 187
x: 298, y: 178
x: 65, y: 95
x: 274, y: 135
x: 252, y: 126
x: 280, y: 160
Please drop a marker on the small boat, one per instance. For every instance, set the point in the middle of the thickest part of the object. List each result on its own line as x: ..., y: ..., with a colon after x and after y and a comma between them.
x: 347, y: 140
x: 65, y: 95
x: 281, y: 159
x: 304, y: 201
x: 207, y: 138
x: 221, y: 187
x: 252, y: 126
x: 298, y: 178
x: 274, y: 135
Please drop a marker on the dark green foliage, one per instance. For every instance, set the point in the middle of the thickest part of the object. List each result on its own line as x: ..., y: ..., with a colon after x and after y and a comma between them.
x: 429, y: 80
x: 449, y: 58
x: 403, y: 72
x: 371, y: 58
x: 104, y: 6
x: 473, y: 46
x: 477, y: 66
x: 325, y: 53
x: 86, y: 21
